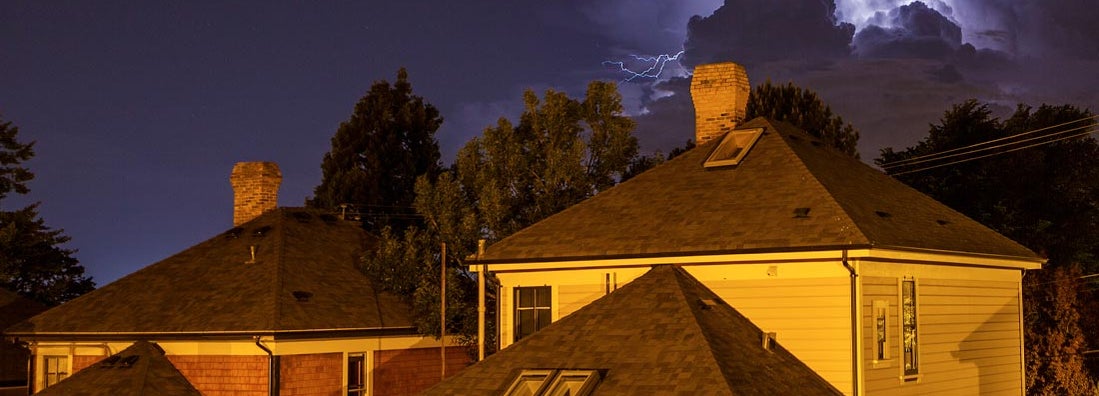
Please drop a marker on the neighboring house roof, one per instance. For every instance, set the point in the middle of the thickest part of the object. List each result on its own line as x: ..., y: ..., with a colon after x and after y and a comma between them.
x: 217, y: 287
x: 140, y: 369
x: 663, y: 333
x: 15, y: 308
x: 683, y: 208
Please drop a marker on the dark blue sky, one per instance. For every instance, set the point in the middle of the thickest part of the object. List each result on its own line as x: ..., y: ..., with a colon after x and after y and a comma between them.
x: 140, y: 109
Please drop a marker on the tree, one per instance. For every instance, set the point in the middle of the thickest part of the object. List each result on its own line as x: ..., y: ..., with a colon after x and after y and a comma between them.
x: 802, y: 108
x: 562, y: 151
x: 1045, y: 197
x: 378, y: 153
x: 32, y: 261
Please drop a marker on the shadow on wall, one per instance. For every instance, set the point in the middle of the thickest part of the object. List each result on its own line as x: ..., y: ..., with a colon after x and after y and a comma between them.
x: 995, y: 371
x: 411, y: 371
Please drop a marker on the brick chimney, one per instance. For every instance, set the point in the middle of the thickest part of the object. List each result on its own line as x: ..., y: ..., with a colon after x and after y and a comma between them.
x: 255, y: 189
x: 720, y: 95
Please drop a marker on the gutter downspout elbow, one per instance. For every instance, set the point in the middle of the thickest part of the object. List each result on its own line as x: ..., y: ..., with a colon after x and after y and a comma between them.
x: 272, y: 369
x: 855, y: 374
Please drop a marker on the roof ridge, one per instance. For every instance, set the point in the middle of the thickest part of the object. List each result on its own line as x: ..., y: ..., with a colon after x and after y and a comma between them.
x: 800, y: 164
x: 678, y: 276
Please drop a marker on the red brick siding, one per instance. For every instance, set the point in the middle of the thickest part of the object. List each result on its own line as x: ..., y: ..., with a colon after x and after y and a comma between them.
x: 82, y: 362
x: 216, y: 375
x: 410, y: 371
x: 319, y: 374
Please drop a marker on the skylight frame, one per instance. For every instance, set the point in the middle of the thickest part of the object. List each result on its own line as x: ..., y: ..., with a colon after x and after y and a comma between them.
x: 554, y: 382
x: 734, y: 146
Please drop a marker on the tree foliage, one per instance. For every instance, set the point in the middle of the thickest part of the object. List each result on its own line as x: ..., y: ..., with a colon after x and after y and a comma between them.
x: 1045, y: 197
x: 32, y: 259
x: 802, y: 108
x: 378, y: 153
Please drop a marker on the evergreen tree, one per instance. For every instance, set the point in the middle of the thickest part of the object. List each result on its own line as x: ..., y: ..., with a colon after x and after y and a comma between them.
x: 378, y: 153
x: 803, y: 109
x: 32, y: 259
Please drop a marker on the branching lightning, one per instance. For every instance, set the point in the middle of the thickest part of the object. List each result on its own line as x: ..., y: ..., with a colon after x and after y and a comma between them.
x: 657, y: 66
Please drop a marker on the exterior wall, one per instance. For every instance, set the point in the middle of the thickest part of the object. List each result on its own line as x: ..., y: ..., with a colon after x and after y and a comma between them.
x: 313, y: 374
x: 410, y: 371
x: 968, y: 327
x: 224, y: 374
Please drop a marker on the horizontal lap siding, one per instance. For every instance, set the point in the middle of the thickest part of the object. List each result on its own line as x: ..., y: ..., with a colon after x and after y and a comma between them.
x: 319, y: 374
x: 969, y: 337
x: 573, y: 297
x: 812, y: 318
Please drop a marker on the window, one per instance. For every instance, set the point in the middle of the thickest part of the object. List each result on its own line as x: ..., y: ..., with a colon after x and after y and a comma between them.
x: 909, y: 330
x: 733, y: 147
x: 554, y: 383
x: 56, y: 369
x: 356, y: 374
x: 881, y: 333
x: 532, y: 310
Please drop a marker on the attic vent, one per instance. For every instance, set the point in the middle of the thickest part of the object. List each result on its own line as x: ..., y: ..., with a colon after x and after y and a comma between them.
x: 884, y: 215
x: 302, y: 217
x: 261, y: 232
x: 327, y: 218
x: 233, y: 233
x: 769, y: 340
x: 110, y: 361
x: 302, y: 296
x: 733, y: 147
x: 801, y: 213
x: 942, y: 222
x: 708, y: 303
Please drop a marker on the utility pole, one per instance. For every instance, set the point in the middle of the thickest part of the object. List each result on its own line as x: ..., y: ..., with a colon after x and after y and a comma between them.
x: 442, y: 313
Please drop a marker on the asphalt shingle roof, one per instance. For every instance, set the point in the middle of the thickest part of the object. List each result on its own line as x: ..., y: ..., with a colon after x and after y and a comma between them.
x: 683, y: 208
x: 215, y: 287
x: 654, y: 335
x: 150, y: 374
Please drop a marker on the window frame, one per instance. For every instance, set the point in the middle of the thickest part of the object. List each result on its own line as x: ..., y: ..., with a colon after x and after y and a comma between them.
x: 879, y: 321
x: 363, y: 387
x: 908, y: 322
x: 517, y: 330
x: 62, y: 372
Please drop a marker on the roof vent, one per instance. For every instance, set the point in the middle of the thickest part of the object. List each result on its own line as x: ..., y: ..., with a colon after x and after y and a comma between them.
x: 733, y: 147
x: 261, y: 232
x: 128, y: 361
x: 233, y: 233
x: 942, y: 222
x: 801, y: 213
x: 708, y: 303
x: 769, y: 339
x: 302, y: 296
x: 110, y: 361
x: 883, y: 214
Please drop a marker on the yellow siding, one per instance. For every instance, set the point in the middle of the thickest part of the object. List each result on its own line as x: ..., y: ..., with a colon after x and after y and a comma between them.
x: 969, y: 334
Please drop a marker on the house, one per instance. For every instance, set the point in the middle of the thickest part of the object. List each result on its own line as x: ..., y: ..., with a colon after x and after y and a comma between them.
x: 875, y: 286
x: 664, y: 333
x: 13, y: 357
x: 274, y: 305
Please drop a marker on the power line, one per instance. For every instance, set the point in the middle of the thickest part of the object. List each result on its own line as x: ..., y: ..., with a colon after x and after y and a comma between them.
x: 996, y: 153
x: 941, y: 156
x: 912, y: 159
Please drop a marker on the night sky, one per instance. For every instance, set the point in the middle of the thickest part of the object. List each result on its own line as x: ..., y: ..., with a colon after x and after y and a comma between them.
x: 140, y: 109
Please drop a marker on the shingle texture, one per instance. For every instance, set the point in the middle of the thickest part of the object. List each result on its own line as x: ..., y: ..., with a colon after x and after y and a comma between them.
x: 216, y: 286
x: 653, y: 336
x: 150, y: 374
x: 681, y: 207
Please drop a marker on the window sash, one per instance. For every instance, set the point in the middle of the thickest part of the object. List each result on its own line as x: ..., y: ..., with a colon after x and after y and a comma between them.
x: 910, y: 346
x: 56, y: 369
x: 533, y: 309
x: 356, y: 374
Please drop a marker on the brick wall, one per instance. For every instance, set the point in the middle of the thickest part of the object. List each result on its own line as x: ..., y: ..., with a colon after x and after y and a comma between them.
x: 410, y: 371
x: 720, y: 95
x: 255, y: 189
x: 216, y: 375
x: 313, y: 374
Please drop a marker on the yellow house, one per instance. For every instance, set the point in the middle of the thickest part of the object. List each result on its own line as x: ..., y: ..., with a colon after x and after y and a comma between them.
x: 875, y: 286
x: 274, y: 305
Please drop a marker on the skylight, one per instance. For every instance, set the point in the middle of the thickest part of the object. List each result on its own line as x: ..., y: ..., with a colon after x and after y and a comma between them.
x: 733, y: 147
x: 554, y: 382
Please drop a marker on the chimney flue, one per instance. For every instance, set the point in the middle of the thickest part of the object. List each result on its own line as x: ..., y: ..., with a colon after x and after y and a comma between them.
x: 720, y: 95
x: 255, y: 189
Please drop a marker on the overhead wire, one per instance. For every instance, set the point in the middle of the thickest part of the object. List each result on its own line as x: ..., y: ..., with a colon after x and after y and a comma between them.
x: 894, y: 165
x: 1087, y: 132
x: 920, y: 157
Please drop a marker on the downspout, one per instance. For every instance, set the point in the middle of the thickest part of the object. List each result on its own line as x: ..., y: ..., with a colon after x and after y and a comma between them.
x: 854, y: 325
x: 272, y: 369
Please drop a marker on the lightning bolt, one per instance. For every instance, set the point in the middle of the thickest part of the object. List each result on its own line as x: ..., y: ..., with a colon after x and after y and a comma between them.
x: 653, y: 71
